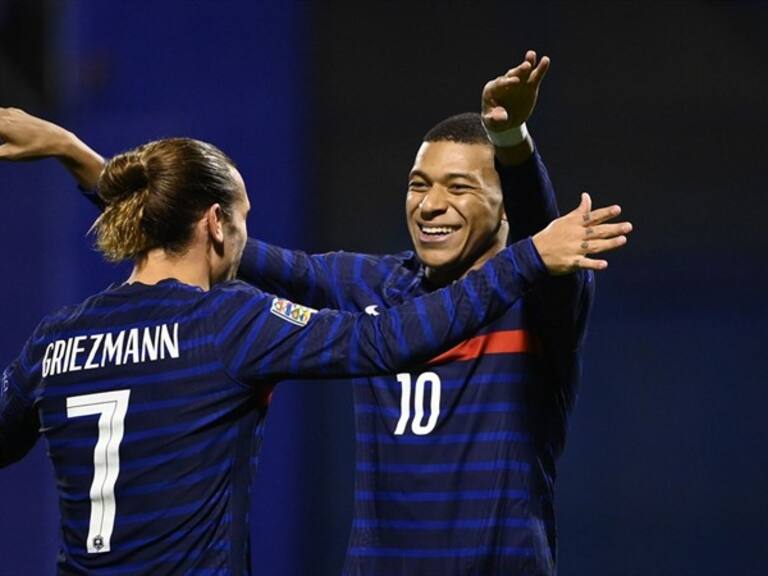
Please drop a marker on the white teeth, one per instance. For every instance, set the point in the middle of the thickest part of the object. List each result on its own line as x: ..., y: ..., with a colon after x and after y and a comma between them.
x: 436, y: 229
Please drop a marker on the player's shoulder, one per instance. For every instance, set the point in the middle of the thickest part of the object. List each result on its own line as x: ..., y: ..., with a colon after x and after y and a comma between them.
x: 233, y: 295
x: 232, y: 289
x: 120, y: 301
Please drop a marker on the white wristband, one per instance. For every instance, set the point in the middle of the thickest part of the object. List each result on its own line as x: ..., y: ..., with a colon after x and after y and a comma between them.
x: 507, y: 138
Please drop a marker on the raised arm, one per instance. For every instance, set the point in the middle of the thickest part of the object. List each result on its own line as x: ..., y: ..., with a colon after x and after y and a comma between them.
x: 26, y: 137
x: 507, y: 103
x: 292, y: 274
x: 529, y: 198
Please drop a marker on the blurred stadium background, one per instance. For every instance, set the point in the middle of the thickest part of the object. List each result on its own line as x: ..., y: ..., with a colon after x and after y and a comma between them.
x: 658, y: 106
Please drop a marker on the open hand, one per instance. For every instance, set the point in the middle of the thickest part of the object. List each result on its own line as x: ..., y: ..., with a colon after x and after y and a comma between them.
x: 565, y: 244
x: 509, y: 100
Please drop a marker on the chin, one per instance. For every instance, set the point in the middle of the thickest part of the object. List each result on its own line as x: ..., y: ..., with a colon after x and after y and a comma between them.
x: 441, y: 263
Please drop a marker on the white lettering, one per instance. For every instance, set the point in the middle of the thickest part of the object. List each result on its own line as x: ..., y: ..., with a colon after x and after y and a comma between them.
x: 47, y: 359
x: 58, y: 354
x: 132, y: 346
x: 149, y: 344
x: 89, y: 363
x: 171, y: 344
x: 76, y: 349
x: 113, y: 349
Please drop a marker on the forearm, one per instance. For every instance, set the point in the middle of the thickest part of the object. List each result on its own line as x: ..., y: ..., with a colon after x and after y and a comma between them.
x: 27, y: 137
x: 81, y: 161
x: 509, y: 156
x: 529, y: 197
x: 421, y: 328
x: 292, y: 274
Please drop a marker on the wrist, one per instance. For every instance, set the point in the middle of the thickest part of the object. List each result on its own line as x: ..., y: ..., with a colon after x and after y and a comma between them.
x: 509, y: 137
x: 65, y: 145
x: 83, y: 163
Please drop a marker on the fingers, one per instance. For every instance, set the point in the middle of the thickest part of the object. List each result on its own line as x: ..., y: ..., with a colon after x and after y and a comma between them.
x: 538, y: 73
x: 601, y: 215
x: 607, y: 230
x: 590, y: 264
x: 599, y: 246
x: 521, y: 71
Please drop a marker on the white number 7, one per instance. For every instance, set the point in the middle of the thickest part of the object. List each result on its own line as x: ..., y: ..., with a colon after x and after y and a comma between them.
x: 111, y: 408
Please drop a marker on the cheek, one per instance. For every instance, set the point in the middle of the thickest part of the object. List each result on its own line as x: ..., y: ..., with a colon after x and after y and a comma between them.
x: 481, y: 218
x: 411, y: 204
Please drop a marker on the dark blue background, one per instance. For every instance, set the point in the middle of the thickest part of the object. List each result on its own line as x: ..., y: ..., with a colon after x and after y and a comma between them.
x: 657, y: 106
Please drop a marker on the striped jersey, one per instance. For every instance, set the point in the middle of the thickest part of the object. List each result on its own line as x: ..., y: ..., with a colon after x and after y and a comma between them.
x: 152, y: 401
x: 455, y: 457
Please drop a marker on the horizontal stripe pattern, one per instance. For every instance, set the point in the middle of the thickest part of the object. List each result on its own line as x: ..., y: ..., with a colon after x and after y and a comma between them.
x: 397, y: 496
x: 439, y: 552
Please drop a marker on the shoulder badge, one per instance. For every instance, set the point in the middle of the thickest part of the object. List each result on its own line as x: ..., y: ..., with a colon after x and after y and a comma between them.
x: 293, y: 313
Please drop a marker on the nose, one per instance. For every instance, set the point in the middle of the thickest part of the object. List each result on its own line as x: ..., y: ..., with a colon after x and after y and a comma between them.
x: 434, y: 202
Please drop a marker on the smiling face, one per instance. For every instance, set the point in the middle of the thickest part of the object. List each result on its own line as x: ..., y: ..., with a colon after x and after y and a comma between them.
x: 454, y: 208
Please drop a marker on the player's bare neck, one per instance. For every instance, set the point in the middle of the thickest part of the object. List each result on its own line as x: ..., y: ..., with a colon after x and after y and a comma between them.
x: 158, y: 265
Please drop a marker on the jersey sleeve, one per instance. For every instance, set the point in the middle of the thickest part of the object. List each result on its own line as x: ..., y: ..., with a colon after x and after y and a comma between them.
x: 561, y: 303
x: 529, y: 197
x: 317, y: 280
x: 19, y: 422
x: 265, y: 337
x: 559, y: 306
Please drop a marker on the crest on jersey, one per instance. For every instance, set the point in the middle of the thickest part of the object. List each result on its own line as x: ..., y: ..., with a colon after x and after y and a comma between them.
x: 293, y: 313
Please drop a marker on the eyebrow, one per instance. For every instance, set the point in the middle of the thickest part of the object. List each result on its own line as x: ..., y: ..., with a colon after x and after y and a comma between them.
x: 449, y: 176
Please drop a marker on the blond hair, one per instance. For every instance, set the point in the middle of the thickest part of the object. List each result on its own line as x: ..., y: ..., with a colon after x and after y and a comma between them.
x: 155, y: 193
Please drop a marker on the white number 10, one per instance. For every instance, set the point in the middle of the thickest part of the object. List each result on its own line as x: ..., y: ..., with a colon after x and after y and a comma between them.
x: 111, y: 408
x: 417, y: 426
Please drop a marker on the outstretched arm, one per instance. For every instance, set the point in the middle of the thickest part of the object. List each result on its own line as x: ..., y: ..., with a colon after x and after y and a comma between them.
x: 26, y: 137
x: 314, y: 279
x: 265, y: 337
x: 292, y: 274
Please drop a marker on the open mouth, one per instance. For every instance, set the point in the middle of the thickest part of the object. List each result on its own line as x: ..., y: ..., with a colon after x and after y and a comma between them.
x: 435, y: 233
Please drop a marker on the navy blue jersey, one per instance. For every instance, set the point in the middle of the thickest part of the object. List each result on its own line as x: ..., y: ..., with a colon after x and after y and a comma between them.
x: 455, y: 457
x: 152, y: 400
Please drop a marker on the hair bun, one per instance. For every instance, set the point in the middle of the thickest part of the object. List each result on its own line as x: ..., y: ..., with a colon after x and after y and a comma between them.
x: 123, y: 176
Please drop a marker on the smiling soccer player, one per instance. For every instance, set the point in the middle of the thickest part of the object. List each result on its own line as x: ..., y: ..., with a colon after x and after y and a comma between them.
x: 455, y: 458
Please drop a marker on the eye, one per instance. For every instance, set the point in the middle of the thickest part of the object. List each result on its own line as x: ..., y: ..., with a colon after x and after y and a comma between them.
x: 417, y: 185
x: 460, y: 188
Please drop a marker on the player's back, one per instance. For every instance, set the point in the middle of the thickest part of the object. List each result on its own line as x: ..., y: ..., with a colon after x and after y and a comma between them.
x: 149, y: 436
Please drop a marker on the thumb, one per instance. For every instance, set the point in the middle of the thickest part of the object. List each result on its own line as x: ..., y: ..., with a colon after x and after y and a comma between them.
x: 5, y: 151
x: 496, y: 114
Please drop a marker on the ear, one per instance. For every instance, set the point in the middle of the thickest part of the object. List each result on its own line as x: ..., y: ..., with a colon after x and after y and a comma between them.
x: 214, y: 218
x: 504, y: 214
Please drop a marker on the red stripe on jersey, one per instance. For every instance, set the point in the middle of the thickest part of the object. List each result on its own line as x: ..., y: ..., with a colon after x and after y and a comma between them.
x: 501, y: 342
